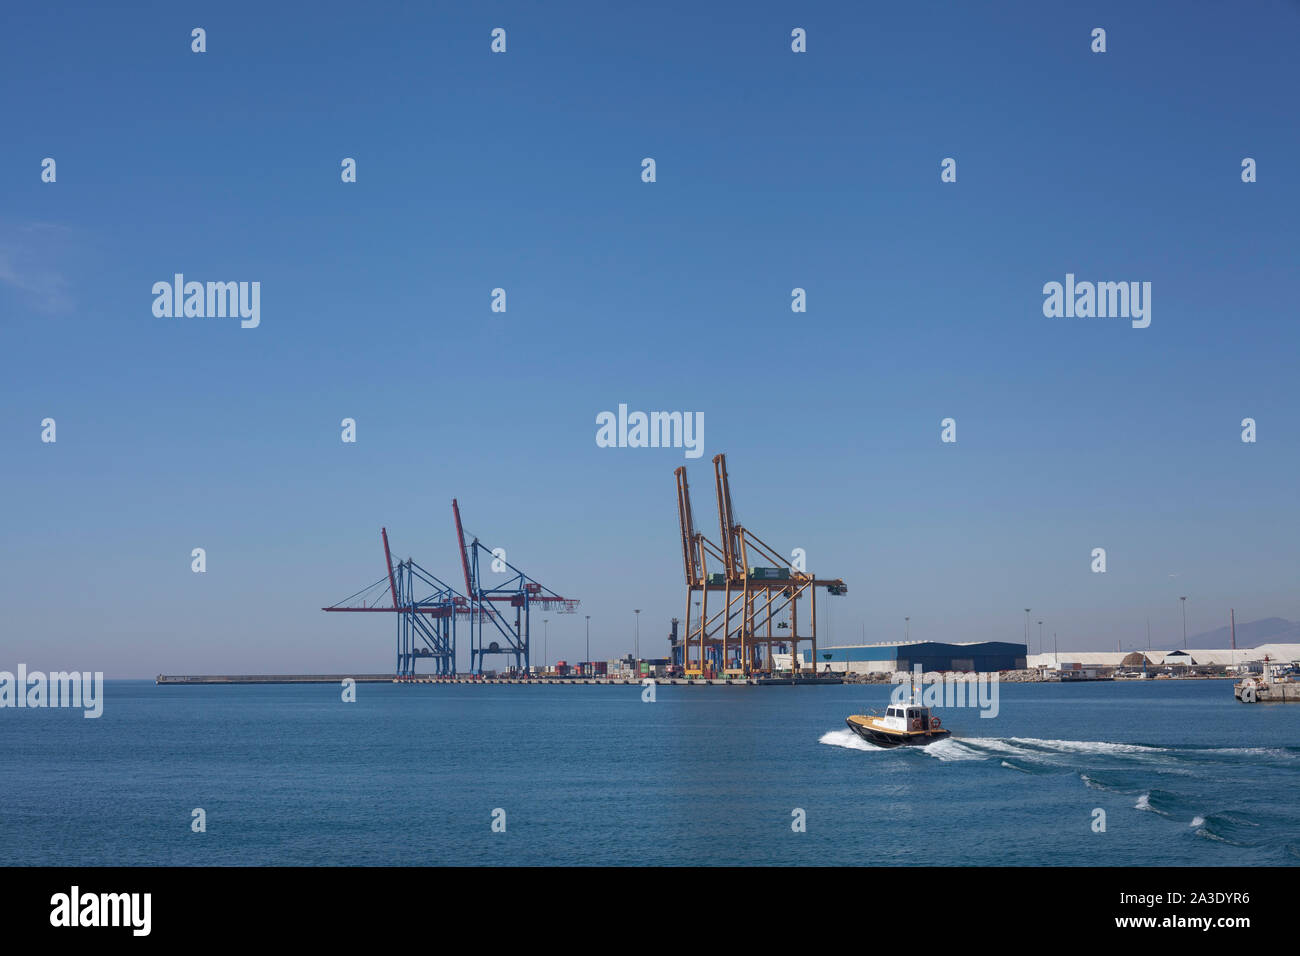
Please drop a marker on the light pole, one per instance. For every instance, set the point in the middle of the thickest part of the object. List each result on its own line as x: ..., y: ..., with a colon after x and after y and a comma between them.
x: 546, y: 654
x: 1026, y: 630
x: 588, y: 643
x: 636, y: 646
x: 907, y: 628
x: 1183, y: 599
x: 1040, y: 637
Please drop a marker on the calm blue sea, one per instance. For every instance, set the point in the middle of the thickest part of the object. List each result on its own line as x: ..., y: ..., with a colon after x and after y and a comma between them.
x: 591, y: 775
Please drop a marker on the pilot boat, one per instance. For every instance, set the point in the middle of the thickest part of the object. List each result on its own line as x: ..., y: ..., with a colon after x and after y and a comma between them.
x: 903, y: 723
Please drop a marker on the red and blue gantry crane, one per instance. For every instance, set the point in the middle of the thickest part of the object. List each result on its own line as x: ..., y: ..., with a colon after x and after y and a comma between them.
x: 517, y: 591
x: 428, y: 608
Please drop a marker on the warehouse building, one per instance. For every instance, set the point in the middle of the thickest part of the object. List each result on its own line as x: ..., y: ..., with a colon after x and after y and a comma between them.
x: 1195, y: 657
x: 983, y: 656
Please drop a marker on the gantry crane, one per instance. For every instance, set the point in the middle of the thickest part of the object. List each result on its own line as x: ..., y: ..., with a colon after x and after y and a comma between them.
x: 517, y: 590
x: 738, y: 637
x: 426, y: 626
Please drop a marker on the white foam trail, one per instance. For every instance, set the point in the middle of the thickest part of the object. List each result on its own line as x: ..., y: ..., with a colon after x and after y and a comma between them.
x: 993, y: 743
x: 849, y: 740
x: 1087, y: 746
x: 1252, y: 751
x: 1197, y: 822
x: 1011, y: 766
x: 949, y: 749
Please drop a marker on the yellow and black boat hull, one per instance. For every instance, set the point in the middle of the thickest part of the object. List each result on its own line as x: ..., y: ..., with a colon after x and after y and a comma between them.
x: 868, y: 730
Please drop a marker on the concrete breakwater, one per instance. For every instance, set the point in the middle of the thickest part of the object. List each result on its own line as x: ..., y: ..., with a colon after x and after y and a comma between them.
x: 272, y: 678
x: 470, y: 679
x: 1257, y: 691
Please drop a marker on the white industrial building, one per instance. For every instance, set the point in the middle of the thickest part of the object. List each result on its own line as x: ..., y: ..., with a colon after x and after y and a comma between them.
x: 1194, y: 657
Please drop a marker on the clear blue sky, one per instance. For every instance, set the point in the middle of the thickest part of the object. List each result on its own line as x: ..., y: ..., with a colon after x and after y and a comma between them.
x: 522, y: 171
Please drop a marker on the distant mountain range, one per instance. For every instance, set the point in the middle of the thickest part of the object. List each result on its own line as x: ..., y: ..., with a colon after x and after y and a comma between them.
x: 1271, y: 630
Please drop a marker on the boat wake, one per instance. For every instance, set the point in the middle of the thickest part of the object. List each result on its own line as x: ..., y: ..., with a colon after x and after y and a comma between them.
x: 951, y: 748
x: 1125, y: 770
x: 849, y: 741
x: 1066, y: 753
x: 1084, y: 746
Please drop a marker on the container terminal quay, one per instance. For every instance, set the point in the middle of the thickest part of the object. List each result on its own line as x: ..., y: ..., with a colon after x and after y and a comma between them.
x: 1277, y: 665
x: 750, y: 619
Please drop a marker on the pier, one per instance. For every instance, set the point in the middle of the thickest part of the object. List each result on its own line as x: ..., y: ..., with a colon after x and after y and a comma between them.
x: 1258, y: 691
x: 272, y: 678
x: 470, y: 679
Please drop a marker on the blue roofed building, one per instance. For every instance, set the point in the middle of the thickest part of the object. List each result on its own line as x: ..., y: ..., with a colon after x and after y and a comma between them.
x: 982, y: 656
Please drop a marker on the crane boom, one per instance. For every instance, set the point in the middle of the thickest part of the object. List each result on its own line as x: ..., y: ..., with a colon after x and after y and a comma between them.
x: 464, y: 556
x: 388, y: 556
x: 726, y: 519
x: 690, y: 556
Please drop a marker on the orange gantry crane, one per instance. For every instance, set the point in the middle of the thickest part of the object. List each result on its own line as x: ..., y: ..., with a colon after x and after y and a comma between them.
x: 753, y: 604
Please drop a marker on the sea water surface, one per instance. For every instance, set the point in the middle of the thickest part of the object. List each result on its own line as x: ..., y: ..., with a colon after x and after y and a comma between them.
x: 414, y: 775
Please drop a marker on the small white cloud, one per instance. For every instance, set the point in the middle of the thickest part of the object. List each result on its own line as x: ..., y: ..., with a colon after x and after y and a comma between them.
x: 29, y: 258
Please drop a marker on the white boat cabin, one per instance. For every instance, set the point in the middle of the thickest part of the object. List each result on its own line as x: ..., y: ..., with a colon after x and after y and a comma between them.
x: 907, y: 717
